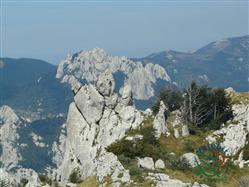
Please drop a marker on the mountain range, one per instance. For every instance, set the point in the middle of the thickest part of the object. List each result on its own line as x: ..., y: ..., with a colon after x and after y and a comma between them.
x: 31, y: 88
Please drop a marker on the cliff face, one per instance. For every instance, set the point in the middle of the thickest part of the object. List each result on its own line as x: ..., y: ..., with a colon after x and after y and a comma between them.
x: 97, y: 118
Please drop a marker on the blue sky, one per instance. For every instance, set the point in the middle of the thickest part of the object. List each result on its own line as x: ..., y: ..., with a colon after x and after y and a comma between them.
x: 49, y: 30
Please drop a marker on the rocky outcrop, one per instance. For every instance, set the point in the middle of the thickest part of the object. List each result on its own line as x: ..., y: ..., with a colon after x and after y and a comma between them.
x: 88, y: 65
x: 96, y: 119
x: 178, y: 125
x: 16, y: 179
x: 159, y: 123
x: 9, y: 123
x: 234, y: 136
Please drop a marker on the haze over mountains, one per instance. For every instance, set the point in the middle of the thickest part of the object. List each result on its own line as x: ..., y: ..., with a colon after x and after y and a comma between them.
x: 29, y: 85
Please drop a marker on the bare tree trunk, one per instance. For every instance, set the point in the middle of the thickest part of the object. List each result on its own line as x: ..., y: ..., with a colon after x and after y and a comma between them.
x: 215, y: 111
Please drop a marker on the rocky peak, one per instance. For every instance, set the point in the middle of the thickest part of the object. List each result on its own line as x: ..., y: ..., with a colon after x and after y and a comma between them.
x: 89, y: 65
x: 9, y: 123
x: 7, y: 115
x: 97, y: 118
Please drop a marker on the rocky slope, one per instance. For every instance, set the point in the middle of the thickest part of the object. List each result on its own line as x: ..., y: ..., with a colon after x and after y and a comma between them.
x: 234, y: 136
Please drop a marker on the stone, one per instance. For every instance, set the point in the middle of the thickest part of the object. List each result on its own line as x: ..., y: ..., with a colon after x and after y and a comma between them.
x: 185, y: 131
x: 235, y: 139
x: 146, y: 162
x: 90, y: 103
x: 191, y: 159
x: 105, y: 83
x: 159, y: 164
x: 159, y: 123
x: 9, y: 124
x: 176, y: 133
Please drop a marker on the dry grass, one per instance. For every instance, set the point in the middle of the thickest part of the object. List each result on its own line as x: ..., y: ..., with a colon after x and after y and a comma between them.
x: 240, y: 98
x: 89, y: 182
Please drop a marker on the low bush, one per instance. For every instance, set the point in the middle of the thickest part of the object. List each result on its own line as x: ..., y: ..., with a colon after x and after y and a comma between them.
x: 75, y: 176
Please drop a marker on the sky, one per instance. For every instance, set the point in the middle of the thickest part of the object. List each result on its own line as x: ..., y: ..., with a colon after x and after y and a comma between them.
x: 49, y: 30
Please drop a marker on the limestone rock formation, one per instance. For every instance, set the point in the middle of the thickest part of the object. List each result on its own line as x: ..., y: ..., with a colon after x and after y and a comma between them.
x: 234, y: 135
x: 9, y: 123
x: 191, y: 159
x: 159, y: 164
x: 159, y: 123
x: 146, y: 162
x: 96, y: 120
x: 88, y: 65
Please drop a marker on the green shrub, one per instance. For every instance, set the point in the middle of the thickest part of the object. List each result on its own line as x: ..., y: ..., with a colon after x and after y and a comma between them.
x: 4, y: 183
x: 75, y: 176
x: 135, y: 171
x: 148, y: 146
x: 24, y: 182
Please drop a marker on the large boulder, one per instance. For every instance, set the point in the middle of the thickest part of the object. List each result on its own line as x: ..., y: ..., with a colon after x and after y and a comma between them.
x: 90, y: 103
x: 191, y: 159
x: 146, y: 162
x: 159, y: 164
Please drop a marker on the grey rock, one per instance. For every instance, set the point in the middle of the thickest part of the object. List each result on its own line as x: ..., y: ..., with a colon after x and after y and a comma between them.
x: 159, y: 164
x: 191, y: 159
x: 159, y: 123
x: 146, y: 162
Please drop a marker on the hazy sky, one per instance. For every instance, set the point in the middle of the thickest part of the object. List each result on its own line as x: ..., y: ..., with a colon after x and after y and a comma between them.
x: 49, y: 30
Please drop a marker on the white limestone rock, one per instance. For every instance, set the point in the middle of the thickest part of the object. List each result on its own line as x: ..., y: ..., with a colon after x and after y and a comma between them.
x: 176, y: 133
x: 191, y: 159
x: 88, y: 65
x: 91, y: 126
x: 105, y: 83
x: 9, y: 123
x: 235, y: 139
x: 159, y: 164
x: 90, y: 103
x: 159, y: 123
x: 30, y: 175
x: 234, y: 135
x: 146, y: 162
x: 185, y: 131
x: 108, y: 165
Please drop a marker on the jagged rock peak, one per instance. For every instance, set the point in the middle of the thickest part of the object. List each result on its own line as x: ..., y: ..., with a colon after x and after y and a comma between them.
x: 88, y: 65
x: 93, y: 123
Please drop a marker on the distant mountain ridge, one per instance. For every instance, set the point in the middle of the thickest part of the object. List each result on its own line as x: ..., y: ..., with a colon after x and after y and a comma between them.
x: 221, y: 63
x: 31, y: 88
